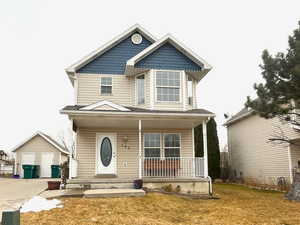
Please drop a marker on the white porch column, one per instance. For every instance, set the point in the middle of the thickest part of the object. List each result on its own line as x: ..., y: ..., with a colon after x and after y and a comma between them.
x: 140, y: 149
x: 193, y: 146
x: 205, y: 148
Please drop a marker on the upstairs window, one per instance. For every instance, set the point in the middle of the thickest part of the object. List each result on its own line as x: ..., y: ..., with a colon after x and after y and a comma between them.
x: 106, y: 85
x: 190, y: 90
x: 140, y: 89
x: 167, y: 86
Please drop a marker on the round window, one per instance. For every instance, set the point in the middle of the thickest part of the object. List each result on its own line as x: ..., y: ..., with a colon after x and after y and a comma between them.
x: 106, y: 152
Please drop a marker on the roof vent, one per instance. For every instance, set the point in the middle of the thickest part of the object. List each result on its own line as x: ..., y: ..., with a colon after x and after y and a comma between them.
x: 136, y: 39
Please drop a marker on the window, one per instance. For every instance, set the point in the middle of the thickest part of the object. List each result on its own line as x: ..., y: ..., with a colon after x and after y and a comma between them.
x: 106, y: 85
x: 152, y: 145
x: 172, y: 145
x: 167, y: 86
x: 140, y: 89
x: 190, y: 90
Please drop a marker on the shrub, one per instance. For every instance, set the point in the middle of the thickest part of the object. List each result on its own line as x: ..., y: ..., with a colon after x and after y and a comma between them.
x: 167, y: 188
x: 178, y: 189
x: 64, y: 172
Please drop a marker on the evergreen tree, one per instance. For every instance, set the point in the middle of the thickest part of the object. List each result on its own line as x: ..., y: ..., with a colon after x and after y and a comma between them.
x: 280, y: 93
x: 213, y: 150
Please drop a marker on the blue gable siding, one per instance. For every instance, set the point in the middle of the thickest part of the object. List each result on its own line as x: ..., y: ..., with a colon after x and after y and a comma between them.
x: 114, y: 60
x: 168, y: 57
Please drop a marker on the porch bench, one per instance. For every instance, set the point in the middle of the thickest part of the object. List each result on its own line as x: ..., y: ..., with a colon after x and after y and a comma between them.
x: 161, y: 167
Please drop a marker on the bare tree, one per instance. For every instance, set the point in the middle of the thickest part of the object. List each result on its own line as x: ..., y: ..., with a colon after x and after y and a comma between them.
x: 66, y: 139
x: 279, y: 136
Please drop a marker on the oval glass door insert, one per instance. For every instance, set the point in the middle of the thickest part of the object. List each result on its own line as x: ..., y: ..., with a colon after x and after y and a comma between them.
x: 106, y: 152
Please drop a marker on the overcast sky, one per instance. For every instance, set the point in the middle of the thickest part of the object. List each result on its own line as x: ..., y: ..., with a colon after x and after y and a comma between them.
x: 39, y: 39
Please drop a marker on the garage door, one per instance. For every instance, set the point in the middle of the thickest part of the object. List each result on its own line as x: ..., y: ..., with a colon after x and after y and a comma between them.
x: 46, y: 162
x: 27, y: 158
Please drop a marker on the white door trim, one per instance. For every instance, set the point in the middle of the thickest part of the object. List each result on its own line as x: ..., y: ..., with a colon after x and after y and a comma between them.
x: 114, y: 152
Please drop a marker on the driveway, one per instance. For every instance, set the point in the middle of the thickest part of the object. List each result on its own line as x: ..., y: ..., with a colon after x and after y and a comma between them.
x: 14, y: 192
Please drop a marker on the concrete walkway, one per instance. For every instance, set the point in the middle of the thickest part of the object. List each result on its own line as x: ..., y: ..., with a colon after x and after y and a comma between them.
x: 14, y: 192
x: 93, y: 193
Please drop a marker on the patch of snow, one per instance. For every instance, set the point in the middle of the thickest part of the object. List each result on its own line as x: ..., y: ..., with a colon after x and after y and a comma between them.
x: 37, y: 204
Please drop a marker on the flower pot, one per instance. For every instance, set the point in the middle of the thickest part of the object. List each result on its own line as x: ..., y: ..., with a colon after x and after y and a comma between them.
x: 138, y: 184
x: 54, y: 185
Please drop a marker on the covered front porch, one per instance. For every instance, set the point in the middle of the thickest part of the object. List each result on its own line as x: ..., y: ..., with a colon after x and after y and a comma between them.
x: 157, y: 147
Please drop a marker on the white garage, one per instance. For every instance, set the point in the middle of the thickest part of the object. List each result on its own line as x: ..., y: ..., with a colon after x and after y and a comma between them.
x: 41, y: 150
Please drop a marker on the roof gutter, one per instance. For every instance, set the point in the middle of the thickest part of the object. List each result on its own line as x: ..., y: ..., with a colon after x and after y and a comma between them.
x: 229, y: 122
x: 95, y: 113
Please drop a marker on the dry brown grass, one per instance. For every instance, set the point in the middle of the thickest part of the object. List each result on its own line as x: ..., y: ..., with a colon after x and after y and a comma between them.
x: 237, y: 205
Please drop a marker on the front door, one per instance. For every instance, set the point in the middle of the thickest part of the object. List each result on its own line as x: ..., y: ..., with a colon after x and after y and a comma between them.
x: 106, y: 153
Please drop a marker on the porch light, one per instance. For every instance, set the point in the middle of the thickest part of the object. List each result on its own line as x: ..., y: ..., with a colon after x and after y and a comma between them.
x: 125, y: 141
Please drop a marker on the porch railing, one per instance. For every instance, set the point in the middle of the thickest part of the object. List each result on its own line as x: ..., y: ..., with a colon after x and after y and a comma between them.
x: 173, y: 167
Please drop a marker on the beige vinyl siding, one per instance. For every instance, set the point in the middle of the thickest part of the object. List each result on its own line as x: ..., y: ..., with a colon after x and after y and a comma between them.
x: 124, y: 91
x: 89, y: 89
x: 253, y: 155
x: 37, y: 145
x: 127, y: 159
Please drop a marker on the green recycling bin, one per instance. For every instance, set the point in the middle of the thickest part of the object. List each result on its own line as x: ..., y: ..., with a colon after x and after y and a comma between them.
x: 36, y: 171
x: 28, y: 171
x: 55, y: 171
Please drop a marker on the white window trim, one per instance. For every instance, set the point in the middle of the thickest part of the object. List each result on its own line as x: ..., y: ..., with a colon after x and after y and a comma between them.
x: 136, y: 91
x: 105, y: 85
x: 180, y: 87
x: 162, y: 144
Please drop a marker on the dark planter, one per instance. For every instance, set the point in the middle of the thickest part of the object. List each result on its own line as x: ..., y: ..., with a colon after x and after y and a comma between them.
x: 16, y: 176
x: 54, y: 185
x: 138, y: 184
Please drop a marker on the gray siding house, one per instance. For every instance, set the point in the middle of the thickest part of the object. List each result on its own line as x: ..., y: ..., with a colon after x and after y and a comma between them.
x: 135, y: 111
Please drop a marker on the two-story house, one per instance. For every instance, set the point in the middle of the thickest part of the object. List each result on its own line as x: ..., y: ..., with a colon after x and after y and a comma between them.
x: 135, y: 111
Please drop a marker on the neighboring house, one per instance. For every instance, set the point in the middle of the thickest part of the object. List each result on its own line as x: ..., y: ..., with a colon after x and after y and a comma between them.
x: 253, y: 156
x: 135, y: 111
x: 3, y: 158
x: 5, y: 167
x: 39, y: 149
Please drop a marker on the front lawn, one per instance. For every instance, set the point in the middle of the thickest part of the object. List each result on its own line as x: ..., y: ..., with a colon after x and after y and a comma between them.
x: 237, y: 205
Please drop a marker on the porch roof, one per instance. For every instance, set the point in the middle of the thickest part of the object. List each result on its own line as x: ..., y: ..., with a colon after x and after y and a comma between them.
x: 151, y: 119
x: 79, y: 108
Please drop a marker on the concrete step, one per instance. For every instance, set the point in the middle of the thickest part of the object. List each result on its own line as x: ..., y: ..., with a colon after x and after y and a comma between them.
x: 110, y: 193
x: 99, y: 185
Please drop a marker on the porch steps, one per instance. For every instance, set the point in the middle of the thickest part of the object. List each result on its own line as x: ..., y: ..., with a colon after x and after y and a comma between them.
x: 113, y: 193
x: 99, y: 184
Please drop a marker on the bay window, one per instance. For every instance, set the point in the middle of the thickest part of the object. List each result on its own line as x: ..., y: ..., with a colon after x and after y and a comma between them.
x: 168, y: 86
x: 140, y: 89
x: 190, y: 90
